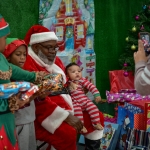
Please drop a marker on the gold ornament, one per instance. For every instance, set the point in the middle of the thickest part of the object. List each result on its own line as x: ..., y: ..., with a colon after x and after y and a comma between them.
x: 58, y: 14
x: 127, y: 39
x: 133, y: 47
x: 85, y: 24
x: 134, y: 29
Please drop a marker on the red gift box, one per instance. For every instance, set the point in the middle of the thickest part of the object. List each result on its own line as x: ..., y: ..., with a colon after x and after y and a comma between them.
x: 118, y: 81
x: 147, y: 116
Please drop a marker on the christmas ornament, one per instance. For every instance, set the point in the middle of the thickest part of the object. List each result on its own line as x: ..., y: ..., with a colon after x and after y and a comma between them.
x: 137, y: 17
x: 144, y: 7
x: 125, y: 73
x: 79, y: 11
x: 125, y: 64
x: 85, y: 24
x: 133, y: 47
x: 142, y: 27
x: 134, y: 29
x: 127, y: 39
x: 58, y: 14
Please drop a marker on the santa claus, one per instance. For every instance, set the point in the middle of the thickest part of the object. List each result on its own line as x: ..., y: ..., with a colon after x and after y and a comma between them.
x: 55, y: 123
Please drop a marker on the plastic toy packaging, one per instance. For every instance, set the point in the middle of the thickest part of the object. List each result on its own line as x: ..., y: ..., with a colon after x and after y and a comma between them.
x: 54, y: 84
x: 27, y: 94
x: 9, y: 89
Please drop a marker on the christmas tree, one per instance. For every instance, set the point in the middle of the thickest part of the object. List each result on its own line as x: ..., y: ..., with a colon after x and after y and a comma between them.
x: 141, y: 23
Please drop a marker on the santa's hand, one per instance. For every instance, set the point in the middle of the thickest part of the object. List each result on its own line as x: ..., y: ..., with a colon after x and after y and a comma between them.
x: 74, y: 122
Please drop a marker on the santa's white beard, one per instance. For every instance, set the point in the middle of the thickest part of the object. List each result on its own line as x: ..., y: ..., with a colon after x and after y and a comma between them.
x: 44, y: 58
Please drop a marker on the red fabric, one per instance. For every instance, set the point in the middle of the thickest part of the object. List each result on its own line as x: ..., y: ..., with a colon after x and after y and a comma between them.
x: 46, y: 107
x: 2, y: 23
x: 64, y: 137
x: 10, y: 48
x: 88, y: 124
x: 118, y: 81
x: 34, y: 29
x: 5, y: 142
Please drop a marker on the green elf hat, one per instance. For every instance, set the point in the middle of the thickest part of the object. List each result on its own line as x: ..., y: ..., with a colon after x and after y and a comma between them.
x: 4, y: 27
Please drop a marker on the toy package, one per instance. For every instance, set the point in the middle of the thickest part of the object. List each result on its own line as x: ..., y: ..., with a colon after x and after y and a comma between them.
x: 54, y: 84
x: 27, y: 94
x: 12, y: 88
x: 9, y: 89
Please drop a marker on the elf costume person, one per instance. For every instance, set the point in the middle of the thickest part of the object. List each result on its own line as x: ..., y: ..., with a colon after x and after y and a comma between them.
x: 54, y: 119
x: 7, y: 72
x: 16, y: 53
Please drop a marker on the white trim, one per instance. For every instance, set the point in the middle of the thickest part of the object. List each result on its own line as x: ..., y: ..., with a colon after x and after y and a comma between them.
x: 4, y: 27
x: 147, y: 72
x: 145, y: 78
x: 52, y: 69
x: 52, y: 148
x: 53, y: 121
x: 95, y: 135
x: 42, y: 37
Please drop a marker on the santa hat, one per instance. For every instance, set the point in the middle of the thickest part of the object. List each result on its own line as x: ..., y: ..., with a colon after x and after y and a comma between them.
x: 39, y: 34
x: 4, y: 27
x: 10, y: 48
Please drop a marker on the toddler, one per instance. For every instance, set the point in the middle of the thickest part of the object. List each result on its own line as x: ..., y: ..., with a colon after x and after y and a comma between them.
x: 81, y: 102
x: 16, y: 53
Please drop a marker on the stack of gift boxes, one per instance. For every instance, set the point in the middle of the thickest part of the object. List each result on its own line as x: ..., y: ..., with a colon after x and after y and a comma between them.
x: 132, y: 114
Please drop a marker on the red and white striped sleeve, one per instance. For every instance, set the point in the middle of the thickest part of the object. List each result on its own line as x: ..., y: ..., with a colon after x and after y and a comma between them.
x: 90, y: 86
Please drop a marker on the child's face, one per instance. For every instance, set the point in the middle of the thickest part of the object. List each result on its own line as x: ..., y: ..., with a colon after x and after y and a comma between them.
x: 18, y: 57
x: 74, y: 73
x: 2, y: 43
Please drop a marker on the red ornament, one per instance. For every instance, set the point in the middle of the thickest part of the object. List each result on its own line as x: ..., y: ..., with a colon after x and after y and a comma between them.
x: 126, y: 74
x: 125, y: 64
x: 137, y: 17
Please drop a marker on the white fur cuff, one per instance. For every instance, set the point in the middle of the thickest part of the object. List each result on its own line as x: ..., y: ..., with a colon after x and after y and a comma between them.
x: 95, y: 135
x: 53, y: 121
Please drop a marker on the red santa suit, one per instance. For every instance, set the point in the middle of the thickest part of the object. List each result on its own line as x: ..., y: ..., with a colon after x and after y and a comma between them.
x: 51, y: 112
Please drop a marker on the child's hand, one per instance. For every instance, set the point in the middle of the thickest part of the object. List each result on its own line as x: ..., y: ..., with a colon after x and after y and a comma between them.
x: 98, y: 99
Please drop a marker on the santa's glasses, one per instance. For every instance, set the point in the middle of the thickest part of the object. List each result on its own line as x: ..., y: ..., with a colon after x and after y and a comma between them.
x: 56, y: 48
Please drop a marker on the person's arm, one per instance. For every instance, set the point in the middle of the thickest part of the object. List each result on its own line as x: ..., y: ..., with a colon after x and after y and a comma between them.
x: 142, y: 71
x: 4, y: 108
x: 91, y: 87
x: 20, y: 74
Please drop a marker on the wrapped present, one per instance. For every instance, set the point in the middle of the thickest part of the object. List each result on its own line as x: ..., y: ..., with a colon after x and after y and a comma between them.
x: 125, y: 97
x: 147, y: 116
x: 9, y: 89
x: 110, y: 136
x: 54, y: 84
x: 118, y: 81
x: 125, y: 119
x: 138, y: 139
x: 109, y: 118
x: 132, y: 108
x: 122, y: 97
x: 127, y: 91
